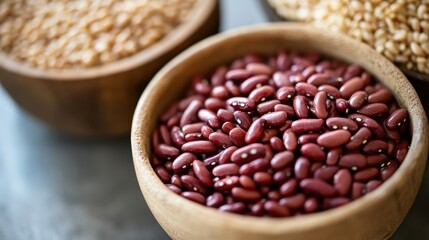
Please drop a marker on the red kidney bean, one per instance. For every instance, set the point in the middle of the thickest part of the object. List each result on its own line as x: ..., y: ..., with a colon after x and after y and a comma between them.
x: 254, y: 166
x: 225, y: 116
x: 163, y: 174
x: 266, y: 107
x: 366, y: 174
x: 373, y: 110
x: 317, y: 187
x: 358, y: 190
x: 333, y: 156
x: 280, y: 80
x: 165, y: 151
x: 255, y: 132
x: 331, y: 91
x: 202, y: 173
x: 215, y: 200
x: 201, y: 85
x: 375, y: 146
x: 170, y: 112
x: 283, y: 61
x: 177, y: 137
x: 277, y: 144
x: 268, y: 134
x: 311, y: 205
x: 252, y: 83
x: 209, y: 117
x: 224, y: 170
x: 194, y: 196
x: 352, y: 71
x: 372, y: 185
x: 241, y: 103
x: 183, y: 162
x: 401, y: 150
x: 259, y: 68
x: 335, y: 123
x: 282, y: 160
x: 175, y: 179
x: 313, y: 152
x: 218, y: 77
x: 343, y: 182
x: 274, y: 209
x: 220, y: 139
x: 364, y: 121
x: 261, y: 94
x: 293, y: 202
x: 237, y: 136
x: 300, y: 106
x: 288, y: 188
x: 307, y: 125
x: 226, y: 183
x: 388, y: 170
x: 290, y: 140
x: 174, y: 188
x: 193, y: 184
x: 169, y: 166
x: 225, y: 155
x: 351, y: 86
x: 396, y: 118
x: 257, y: 209
x: 190, y: 112
x: 227, y: 127
x: 306, y: 89
x: 165, y: 135
x: 248, y: 153
x: 342, y: 105
x: 275, y: 119
x: 194, y: 137
x: 358, y: 99
x: 282, y: 175
x: 206, y: 131
x: 285, y: 93
x: 247, y: 182
x: 243, y: 194
x: 192, y: 128
x: 376, y: 160
x: 233, y: 89
x: 354, y: 161
x: 319, y: 79
x: 243, y: 120
x: 360, y: 138
x: 220, y: 92
x: 380, y: 96
x: 309, y: 71
x: 302, y: 168
x: 174, y: 121
x: 334, y: 139
x: 329, y: 203
x: 237, y: 74
x: 253, y: 58
x: 200, y: 146
x: 238, y: 207
x: 326, y: 173
x: 320, y: 105
x: 263, y: 178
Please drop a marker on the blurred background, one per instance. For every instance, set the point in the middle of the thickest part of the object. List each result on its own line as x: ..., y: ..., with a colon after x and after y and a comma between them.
x: 58, y: 187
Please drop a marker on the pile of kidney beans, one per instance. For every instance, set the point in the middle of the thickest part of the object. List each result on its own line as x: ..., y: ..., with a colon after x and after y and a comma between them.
x: 280, y: 135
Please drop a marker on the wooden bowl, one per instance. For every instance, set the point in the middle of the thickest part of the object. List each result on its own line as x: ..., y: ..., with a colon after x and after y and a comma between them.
x: 100, y: 101
x: 374, y: 216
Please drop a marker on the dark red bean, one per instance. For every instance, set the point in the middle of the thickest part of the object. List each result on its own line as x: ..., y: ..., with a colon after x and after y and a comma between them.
x: 261, y: 94
x: 329, y: 203
x: 194, y: 137
x: 206, y: 131
x: 285, y: 108
x: 326, y: 173
x: 227, y: 127
x: 243, y: 120
x: 238, y: 207
x: 302, y: 168
x: 163, y: 174
x: 275, y: 119
x: 351, y: 86
x: 257, y: 209
x: 352, y: 71
x: 237, y: 136
x: 300, y: 106
x: 372, y: 185
x: 293, y: 202
x: 254, y: 166
x: 375, y: 146
x: 353, y: 161
x: 317, y: 187
x: 266, y: 107
x: 335, y: 123
x: 218, y: 77
x: 380, y: 96
x: 366, y: 174
x: 220, y: 92
x: 311, y: 205
x: 376, y: 160
x: 209, y: 117
x: 277, y: 144
x: 183, y: 162
x: 220, y: 139
x: 225, y: 155
x: 192, y: 128
x: 373, y: 110
x: 255, y: 132
x: 388, y: 170
x: 288, y: 188
x: 177, y: 137
x: 320, y: 105
x: 259, y: 68
x: 342, y: 105
x: 225, y: 116
x: 174, y: 188
x: 282, y: 176
x: 401, y: 150
x: 358, y: 190
x: 226, y: 183
x: 194, y: 196
x: 215, y: 200
x: 306, y: 89
x: 268, y: 134
x: 280, y: 80
x: 333, y: 156
x: 343, y: 182
x: 165, y: 135
x: 331, y: 92
x: 201, y: 146
x: 237, y: 74
x: 358, y: 99
x: 248, y: 153
x: 263, y: 178
x: 193, y: 184
x: 334, y: 139
x: 364, y: 121
x: 307, y: 125
x: 360, y: 138
x: 165, y: 151
x: 190, y: 114
x: 202, y: 173
x: 274, y: 209
x: 241, y: 103
x: 253, y: 82
x: 285, y: 93
x: 243, y: 194
x: 224, y: 170
x: 313, y: 152
x: 170, y: 112
x: 397, y: 118
x: 290, y: 140
x: 282, y: 160
x: 247, y: 182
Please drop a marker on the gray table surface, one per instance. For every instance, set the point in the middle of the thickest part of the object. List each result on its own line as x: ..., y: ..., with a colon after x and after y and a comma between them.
x: 56, y: 187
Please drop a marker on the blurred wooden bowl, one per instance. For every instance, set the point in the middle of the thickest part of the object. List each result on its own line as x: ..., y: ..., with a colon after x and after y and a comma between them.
x: 374, y: 216
x: 100, y: 101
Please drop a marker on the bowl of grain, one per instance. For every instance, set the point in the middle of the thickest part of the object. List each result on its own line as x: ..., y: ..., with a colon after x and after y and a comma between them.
x: 80, y: 67
x: 291, y: 133
x: 398, y: 30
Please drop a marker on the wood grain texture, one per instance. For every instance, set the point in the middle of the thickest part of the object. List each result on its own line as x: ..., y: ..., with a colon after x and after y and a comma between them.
x: 100, y: 101
x: 375, y: 216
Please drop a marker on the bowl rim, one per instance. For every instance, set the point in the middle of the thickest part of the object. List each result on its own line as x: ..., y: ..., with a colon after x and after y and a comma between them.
x: 197, y: 17
x: 275, y: 225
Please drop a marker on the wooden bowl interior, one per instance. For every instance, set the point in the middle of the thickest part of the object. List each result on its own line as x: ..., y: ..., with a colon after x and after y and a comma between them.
x: 364, y: 214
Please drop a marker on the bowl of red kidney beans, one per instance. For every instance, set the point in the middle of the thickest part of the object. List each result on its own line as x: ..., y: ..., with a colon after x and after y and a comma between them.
x: 279, y: 131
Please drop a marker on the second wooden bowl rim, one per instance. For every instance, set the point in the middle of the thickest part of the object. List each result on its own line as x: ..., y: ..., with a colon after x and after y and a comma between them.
x: 198, y: 15
x: 146, y: 174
